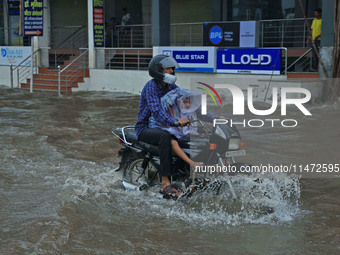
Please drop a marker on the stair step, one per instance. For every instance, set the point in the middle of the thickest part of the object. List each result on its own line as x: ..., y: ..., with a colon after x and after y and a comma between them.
x: 303, y: 75
x: 78, y: 72
x: 45, y: 70
x: 53, y: 82
x: 45, y: 90
x: 65, y: 51
x: 55, y: 77
x: 75, y: 56
x: 44, y: 87
x: 75, y: 64
x: 134, y: 51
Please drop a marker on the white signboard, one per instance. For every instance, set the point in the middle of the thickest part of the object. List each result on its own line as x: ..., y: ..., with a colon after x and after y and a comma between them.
x: 192, y: 59
x: 247, y: 34
x: 14, y: 55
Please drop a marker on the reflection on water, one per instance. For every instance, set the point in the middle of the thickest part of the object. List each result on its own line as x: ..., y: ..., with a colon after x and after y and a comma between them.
x: 59, y: 192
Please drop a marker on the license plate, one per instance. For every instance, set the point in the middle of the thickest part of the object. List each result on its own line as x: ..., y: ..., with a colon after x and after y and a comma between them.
x: 235, y: 153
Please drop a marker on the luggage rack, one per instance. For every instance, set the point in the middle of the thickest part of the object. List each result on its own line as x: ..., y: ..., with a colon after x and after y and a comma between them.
x: 113, y: 131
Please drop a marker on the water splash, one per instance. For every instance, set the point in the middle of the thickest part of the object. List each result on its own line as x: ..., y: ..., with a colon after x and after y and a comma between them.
x: 263, y: 199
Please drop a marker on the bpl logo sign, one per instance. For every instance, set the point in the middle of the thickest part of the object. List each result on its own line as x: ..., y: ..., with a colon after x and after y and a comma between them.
x: 216, y: 35
x: 238, y: 100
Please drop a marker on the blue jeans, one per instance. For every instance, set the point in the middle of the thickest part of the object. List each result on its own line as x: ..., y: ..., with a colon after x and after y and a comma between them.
x: 315, y: 59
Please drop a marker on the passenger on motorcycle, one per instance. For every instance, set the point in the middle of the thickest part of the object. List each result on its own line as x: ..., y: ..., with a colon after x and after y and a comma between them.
x: 161, y: 69
x: 180, y: 103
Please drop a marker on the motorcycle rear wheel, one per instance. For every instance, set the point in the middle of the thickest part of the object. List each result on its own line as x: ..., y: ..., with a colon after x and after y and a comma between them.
x: 134, y: 169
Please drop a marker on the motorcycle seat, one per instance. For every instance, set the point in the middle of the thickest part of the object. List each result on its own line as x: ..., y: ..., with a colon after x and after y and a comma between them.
x: 131, y: 137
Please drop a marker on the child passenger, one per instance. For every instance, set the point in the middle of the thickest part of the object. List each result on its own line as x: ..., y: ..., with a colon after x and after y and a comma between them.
x: 179, y: 103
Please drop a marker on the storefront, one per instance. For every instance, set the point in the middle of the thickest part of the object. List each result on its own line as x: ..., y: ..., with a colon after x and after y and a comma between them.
x: 65, y: 13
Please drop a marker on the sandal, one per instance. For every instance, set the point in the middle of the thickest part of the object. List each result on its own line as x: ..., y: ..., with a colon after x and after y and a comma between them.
x: 169, y: 193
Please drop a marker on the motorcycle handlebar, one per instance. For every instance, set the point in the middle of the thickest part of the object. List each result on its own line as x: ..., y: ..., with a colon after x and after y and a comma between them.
x: 179, y: 124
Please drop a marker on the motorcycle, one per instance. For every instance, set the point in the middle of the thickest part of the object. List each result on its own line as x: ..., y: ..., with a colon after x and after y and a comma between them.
x: 214, y: 145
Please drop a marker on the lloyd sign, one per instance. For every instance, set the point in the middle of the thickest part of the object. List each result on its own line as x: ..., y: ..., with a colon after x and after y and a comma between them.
x: 192, y: 59
x: 249, y: 61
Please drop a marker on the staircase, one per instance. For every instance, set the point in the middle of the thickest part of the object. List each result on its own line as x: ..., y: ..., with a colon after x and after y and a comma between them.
x: 305, y: 75
x: 47, y: 78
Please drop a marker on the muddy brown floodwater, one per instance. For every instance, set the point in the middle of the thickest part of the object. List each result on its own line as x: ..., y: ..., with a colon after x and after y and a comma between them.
x: 58, y: 192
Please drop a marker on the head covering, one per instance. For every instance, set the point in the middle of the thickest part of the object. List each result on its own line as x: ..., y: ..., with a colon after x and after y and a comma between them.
x: 157, y: 64
x: 172, y: 103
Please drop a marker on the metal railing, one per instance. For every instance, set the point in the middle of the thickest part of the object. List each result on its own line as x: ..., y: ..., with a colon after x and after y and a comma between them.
x: 181, y: 34
x: 66, y: 42
x: 24, y: 69
x: 273, y: 33
x: 302, y: 63
x: 186, y: 34
x: 284, y: 33
x: 74, y: 71
x: 139, y: 58
x: 123, y: 58
x: 134, y: 36
x: 69, y: 37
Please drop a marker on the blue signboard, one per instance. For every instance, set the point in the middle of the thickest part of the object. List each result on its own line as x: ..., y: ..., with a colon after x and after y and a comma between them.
x: 14, y: 7
x: 249, y: 61
x: 33, y: 17
x: 192, y: 59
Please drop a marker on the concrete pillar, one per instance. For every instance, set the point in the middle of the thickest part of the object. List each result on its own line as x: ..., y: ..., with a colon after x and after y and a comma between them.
x: 161, y: 22
x: 327, y: 29
x: 43, y: 42
x: 327, y: 37
x: 6, y: 22
x: 92, y: 53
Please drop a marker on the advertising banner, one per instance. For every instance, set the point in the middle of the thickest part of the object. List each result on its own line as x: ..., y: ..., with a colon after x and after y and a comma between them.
x: 14, y: 7
x: 14, y: 55
x: 232, y: 34
x: 247, y: 34
x: 98, y: 23
x: 15, y: 30
x: 248, y: 61
x: 33, y: 17
x: 192, y: 59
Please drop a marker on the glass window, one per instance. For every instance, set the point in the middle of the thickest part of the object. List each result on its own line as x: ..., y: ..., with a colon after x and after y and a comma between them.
x: 2, y: 34
x: 262, y: 9
x: 288, y: 9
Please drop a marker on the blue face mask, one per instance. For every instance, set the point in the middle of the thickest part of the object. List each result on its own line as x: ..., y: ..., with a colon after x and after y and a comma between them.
x: 169, y: 78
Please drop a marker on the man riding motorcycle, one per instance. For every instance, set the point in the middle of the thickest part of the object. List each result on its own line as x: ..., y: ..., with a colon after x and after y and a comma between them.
x: 161, y: 69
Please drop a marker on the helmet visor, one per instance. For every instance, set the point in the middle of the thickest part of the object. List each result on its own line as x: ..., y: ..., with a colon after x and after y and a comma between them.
x: 169, y: 62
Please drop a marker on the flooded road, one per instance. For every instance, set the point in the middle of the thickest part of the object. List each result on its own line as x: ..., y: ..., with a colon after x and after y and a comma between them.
x: 58, y: 191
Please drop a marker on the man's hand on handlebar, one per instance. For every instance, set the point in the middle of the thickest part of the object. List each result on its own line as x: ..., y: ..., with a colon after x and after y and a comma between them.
x: 182, y: 122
